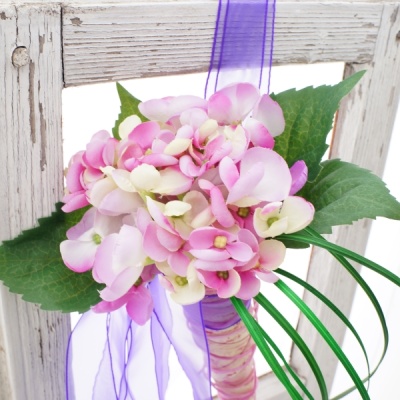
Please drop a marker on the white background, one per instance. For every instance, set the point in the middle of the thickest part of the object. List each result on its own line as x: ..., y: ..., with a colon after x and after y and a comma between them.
x: 89, y: 109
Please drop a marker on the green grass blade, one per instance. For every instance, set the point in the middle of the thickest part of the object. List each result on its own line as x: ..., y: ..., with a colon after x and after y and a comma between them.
x: 298, y: 341
x: 351, y: 255
x: 332, y: 306
x: 286, y: 364
x: 363, y: 284
x: 326, y: 335
x: 256, y: 333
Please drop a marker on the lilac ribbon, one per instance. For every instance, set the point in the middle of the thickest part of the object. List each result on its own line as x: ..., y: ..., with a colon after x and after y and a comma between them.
x: 110, y: 357
x: 243, y: 44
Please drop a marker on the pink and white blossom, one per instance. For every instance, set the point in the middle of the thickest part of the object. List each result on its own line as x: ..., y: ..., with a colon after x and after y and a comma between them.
x: 189, y: 195
x: 119, y: 262
x: 291, y: 215
x: 263, y: 175
x: 184, y: 289
x: 78, y: 252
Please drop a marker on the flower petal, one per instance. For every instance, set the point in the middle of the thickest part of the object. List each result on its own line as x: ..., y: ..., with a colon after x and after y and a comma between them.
x: 145, y: 177
x: 276, y: 181
x: 78, y: 255
x: 152, y: 245
x: 299, y: 213
x: 119, y: 202
x: 249, y: 287
x: 299, y: 172
x: 270, y: 114
x: 173, y: 182
x: 121, y: 284
x: 140, y: 305
x: 128, y: 125
x: 272, y: 253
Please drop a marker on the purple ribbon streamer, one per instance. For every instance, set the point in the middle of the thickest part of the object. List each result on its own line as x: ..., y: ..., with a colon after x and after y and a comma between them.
x: 243, y: 44
x: 114, y: 358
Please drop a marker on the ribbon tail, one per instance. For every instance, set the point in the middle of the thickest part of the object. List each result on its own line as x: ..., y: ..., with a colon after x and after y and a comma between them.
x: 243, y: 44
x: 184, y: 328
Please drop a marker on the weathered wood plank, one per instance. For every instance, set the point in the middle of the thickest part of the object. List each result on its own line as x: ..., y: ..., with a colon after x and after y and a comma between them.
x: 32, y: 342
x: 103, y: 43
x: 362, y: 136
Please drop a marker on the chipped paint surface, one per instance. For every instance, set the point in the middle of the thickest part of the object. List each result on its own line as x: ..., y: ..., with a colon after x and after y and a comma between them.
x: 31, y: 355
x: 176, y: 37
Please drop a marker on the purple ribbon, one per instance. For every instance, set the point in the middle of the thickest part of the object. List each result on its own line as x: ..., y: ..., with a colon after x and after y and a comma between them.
x: 113, y: 358
x: 243, y: 44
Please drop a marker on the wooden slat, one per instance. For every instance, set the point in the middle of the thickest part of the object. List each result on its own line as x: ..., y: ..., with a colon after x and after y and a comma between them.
x: 362, y: 136
x: 103, y: 43
x: 32, y: 342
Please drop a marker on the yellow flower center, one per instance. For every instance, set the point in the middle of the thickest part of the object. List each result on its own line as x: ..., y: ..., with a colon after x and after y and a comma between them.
x: 223, y: 275
x: 96, y: 238
x: 270, y: 221
x: 243, y: 212
x: 181, y: 280
x: 220, y: 242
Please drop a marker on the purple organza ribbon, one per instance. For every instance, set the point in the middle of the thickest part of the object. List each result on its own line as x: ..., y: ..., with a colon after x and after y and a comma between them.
x: 110, y: 357
x: 243, y: 44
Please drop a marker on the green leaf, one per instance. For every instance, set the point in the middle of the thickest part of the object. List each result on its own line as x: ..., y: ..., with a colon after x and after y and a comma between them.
x: 31, y: 265
x: 309, y: 115
x: 344, y: 192
x: 129, y: 106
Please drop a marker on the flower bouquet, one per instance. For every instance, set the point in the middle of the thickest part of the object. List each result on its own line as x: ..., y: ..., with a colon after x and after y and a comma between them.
x: 200, y: 199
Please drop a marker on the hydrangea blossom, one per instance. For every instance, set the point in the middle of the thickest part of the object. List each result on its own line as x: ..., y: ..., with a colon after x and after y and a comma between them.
x: 195, y: 196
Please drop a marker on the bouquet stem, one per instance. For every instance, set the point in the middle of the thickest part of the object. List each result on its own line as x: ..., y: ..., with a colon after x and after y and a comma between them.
x: 231, y: 350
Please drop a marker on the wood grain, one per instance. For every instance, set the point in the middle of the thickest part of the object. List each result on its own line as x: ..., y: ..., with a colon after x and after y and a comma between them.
x: 116, y: 42
x: 362, y: 136
x: 32, y: 342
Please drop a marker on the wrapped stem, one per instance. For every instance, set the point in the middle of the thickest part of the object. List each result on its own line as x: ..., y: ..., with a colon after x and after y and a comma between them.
x: 231, y: 349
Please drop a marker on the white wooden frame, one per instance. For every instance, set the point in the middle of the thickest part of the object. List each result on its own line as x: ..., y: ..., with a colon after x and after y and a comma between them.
x: 85, y: 41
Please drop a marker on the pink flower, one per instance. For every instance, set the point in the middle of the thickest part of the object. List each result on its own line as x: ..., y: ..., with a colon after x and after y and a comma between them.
x: 138, y: 300
x: 269, y: 256
x: 78, y: 252
x: 291, y: 215
x: 147, y: 178
x: 119, y: 262
x: 208, y: 147
x: 185, y: 288
x: 217, y: 249
x: 85, y: 168
x: 110, y: 199
x: 146, y: 144
x: 263, y: 175
x: 226, y: 283
x: 164, y: 109
x: 270, y: 114
x: 231, y: 105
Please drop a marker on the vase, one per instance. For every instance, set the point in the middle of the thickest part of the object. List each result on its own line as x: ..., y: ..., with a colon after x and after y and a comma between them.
x: 231, y: 349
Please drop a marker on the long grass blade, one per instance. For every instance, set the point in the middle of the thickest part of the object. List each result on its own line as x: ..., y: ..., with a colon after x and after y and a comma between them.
x: 298, y: 341
x: 319, y: 326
